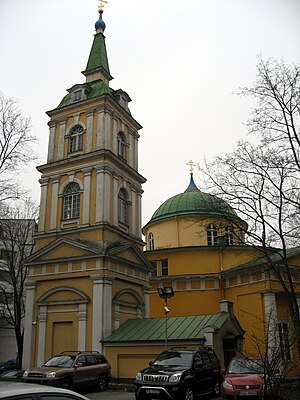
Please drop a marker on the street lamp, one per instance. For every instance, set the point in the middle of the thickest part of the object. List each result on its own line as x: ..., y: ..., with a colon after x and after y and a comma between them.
x: 166, y: 293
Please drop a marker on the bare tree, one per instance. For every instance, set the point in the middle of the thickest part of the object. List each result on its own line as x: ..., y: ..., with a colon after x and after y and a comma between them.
x: 15, y: 146
x: 260, y: 179
x: 16, y: 244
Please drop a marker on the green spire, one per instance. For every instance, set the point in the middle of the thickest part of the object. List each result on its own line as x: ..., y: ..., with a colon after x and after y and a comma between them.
x: 98, y: 62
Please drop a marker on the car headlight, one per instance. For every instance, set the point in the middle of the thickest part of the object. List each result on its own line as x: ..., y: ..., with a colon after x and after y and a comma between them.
x: 138, y: 376
x: 51, y: 374
x: 227, y: 385
x: 175, y: 377
x: 25, y: 373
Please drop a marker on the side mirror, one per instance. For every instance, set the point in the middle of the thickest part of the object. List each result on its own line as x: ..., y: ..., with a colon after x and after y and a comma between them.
x: 198, y: 364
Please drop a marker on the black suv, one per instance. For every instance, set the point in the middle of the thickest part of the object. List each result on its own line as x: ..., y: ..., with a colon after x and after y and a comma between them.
x: 180, y: 373
x: 71, y: 369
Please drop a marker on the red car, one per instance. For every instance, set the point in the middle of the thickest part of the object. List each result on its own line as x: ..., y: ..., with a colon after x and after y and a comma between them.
x: 244, y: 379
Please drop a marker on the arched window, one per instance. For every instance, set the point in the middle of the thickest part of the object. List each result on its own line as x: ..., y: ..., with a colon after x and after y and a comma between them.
x: 121, y: 145
x: 71, y: 207
x: 76, y: 138
x: 123, y: 204
x: 151, y: 241
x: 212, y: 235
x: 228, y: 236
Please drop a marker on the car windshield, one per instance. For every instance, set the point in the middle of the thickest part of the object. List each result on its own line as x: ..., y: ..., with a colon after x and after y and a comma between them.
x: 174, y: 358
x: 60, y: 361
x: 246, y: 366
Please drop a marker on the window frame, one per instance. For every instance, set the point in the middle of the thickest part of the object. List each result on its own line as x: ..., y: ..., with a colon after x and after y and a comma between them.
x: 122, y: 145
x: 283, y: 331
x: 76, y: 139
x: 154, y: 268
x: 151, y: 241
x: 123, y: 206
x: 71, y: 202
x: 164, y: 267
x: 212, y: 235
x: 229, y: 236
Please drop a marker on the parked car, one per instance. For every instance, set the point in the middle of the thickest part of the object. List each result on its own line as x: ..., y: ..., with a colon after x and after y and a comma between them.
x: 180, y: 373
x: 244, y: 378
x: 9, y: 364
x: 72, y: 369
x: 24, y: 391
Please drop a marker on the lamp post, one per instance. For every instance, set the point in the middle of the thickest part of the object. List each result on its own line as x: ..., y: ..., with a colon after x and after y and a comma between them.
x: 165, y: 293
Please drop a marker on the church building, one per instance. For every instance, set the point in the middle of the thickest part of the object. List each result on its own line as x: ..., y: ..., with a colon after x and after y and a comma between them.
x: 94, y: 284
x: 88, y: 274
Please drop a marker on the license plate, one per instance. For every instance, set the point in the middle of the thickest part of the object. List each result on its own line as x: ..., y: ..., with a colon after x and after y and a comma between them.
x: 248, y: 393
x: 152, y: 391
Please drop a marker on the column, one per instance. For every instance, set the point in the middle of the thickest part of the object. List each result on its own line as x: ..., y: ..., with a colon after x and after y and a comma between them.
x: 136, y: 157
x: 99, y: 195
x: 133, y: 226
x: 82, y: 317
x: 42, y: 213
x: 139, y: 213
x: 271, y: 319
x: 89, y: 131
x: 100, y: 130
x: 42, y: 335
x: 115, y: 200
x: 52, y: 126
x: 115, y: 136
x: 107, y: 130
x: 53, y: 218
x: 107, y: 306
x: 107, y: 196
x: 97, y: 321
x: 102, y: 309
x: 61, y: 139
x: 29, y: 325
x: 130, y: 159
x: 86, y: 196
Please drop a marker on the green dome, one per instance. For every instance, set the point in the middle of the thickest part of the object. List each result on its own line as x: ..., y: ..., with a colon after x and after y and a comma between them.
x: 191, y: 203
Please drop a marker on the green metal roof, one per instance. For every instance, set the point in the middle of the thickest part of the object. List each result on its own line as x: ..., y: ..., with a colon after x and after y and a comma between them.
x: 93, y: 90
x: 98, y: 56
x: 179, y: 328
x: 275, y: 256
x: 193, y: 203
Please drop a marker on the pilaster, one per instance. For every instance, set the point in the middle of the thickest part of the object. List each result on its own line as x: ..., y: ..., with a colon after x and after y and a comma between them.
x: 86, y: 196
x: 42, y: 213
x: 29, y: 325
x: 53, y: 218
x: 52, y: 126
x: 61, y: 139
x: 42, y: 335
x: 89, y: 131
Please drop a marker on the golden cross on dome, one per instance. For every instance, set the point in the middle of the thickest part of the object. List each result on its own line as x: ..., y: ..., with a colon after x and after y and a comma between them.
x: 191, y: 165
x: 101, y: 6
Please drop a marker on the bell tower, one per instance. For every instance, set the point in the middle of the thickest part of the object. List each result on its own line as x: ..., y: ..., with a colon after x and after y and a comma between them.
x: 88, y: 273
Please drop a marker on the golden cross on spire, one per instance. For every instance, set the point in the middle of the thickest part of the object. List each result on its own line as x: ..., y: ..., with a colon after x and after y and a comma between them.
x: 191, y: 165
x: 101, y: 5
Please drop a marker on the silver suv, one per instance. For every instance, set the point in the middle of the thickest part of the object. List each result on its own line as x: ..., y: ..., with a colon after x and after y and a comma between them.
x: 71, y: 369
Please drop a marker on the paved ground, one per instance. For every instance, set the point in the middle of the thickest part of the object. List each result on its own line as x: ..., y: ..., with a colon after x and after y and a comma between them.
x: 111, y: 395
x: 117, y: 395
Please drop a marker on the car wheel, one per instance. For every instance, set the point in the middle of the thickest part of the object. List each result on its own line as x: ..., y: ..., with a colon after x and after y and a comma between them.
x: 189, y: 393
x: 216, y: 389
x: 102, y: 383
x: 67, y: 384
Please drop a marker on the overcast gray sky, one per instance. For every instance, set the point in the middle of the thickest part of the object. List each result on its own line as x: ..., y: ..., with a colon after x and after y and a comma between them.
x: 180, y: 61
